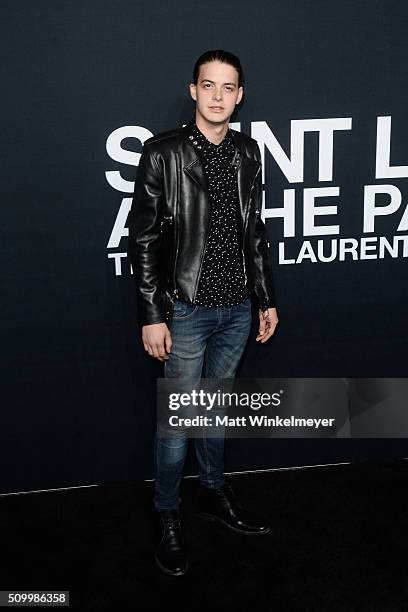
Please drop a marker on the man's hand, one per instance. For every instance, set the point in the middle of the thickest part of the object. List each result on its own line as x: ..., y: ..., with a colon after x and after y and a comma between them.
x: 268, y: 320
x: 157, y: 340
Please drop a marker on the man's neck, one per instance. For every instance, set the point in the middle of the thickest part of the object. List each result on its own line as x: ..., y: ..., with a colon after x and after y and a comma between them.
x: 214, y: 133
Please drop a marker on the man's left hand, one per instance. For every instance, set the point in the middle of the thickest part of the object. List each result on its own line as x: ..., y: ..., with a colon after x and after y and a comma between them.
x: 268, y: 320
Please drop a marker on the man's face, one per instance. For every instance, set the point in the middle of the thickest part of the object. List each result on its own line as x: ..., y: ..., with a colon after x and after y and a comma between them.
x: 217, y: 92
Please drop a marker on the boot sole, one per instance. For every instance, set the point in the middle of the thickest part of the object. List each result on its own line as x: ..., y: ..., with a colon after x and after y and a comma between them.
x: 170, y: 572
x: 216, y: 519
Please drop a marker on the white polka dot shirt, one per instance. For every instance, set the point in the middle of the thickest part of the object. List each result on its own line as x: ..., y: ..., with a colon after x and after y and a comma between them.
x: 222, y: 279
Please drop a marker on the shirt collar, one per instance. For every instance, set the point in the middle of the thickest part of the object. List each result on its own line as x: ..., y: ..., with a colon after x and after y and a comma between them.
x: 202, y: 141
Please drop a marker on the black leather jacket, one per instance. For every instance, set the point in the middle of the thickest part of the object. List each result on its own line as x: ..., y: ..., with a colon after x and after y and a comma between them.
x: 169, y: 222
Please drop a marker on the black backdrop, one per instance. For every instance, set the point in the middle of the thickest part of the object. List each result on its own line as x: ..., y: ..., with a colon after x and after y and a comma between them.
x: 83, y: 84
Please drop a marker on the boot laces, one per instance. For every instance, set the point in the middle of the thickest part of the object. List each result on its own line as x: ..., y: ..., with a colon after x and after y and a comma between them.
x: 171, y: 523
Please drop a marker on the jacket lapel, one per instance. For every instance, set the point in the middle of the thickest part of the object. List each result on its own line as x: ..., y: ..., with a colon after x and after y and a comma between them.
x: 191, y: 162
x: 195, y: 170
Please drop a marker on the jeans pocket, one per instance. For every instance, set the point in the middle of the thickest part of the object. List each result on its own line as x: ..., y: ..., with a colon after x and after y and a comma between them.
x: 246, y: 303
x: 183, y: 310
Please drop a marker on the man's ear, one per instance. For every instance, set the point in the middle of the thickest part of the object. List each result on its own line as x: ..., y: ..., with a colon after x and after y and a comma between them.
x: 193, y: 91
x: 240, y: 94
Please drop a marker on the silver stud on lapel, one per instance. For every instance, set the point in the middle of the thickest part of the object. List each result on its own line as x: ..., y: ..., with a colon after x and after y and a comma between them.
x: 191, y: 137
x: 194, y: 142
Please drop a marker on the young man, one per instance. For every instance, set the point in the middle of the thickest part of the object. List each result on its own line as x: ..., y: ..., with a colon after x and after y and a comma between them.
x: 199, y: 254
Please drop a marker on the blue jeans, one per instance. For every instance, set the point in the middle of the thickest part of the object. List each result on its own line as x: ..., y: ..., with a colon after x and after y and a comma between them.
x: 207, y: 343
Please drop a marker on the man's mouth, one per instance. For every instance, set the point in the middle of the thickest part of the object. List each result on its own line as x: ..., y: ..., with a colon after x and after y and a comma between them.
x: 216, y: 108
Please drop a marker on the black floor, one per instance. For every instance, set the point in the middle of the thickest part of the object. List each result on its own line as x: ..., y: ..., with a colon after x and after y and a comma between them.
x: 338, y: 543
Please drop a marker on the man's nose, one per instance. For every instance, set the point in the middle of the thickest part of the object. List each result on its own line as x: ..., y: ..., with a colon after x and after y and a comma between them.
x: 217, y: 95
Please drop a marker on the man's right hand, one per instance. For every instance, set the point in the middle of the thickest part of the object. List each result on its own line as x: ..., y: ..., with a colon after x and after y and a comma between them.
x: 157, y: 340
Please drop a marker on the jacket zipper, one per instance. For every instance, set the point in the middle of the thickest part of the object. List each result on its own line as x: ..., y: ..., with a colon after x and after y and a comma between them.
x: 243, y: 261
x: 245, y: 223
x: 176, y: 224
x: 203, y: 253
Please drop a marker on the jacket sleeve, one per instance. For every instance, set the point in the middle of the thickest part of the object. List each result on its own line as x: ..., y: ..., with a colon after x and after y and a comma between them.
x: 264, y: 286
x: 144, y: 238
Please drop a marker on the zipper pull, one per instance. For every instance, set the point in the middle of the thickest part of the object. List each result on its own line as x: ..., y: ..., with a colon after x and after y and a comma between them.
x: 243, y: 261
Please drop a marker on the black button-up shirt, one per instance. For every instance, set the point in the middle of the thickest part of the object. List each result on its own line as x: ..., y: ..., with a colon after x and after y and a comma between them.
x: 222, y: 279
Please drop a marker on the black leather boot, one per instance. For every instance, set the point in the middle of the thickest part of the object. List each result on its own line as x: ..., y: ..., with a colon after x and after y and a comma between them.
x: 170, y: 552
x: 221, y: 505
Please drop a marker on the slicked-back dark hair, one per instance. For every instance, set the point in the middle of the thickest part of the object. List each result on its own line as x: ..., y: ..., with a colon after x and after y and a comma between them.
x: 221, y: 56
